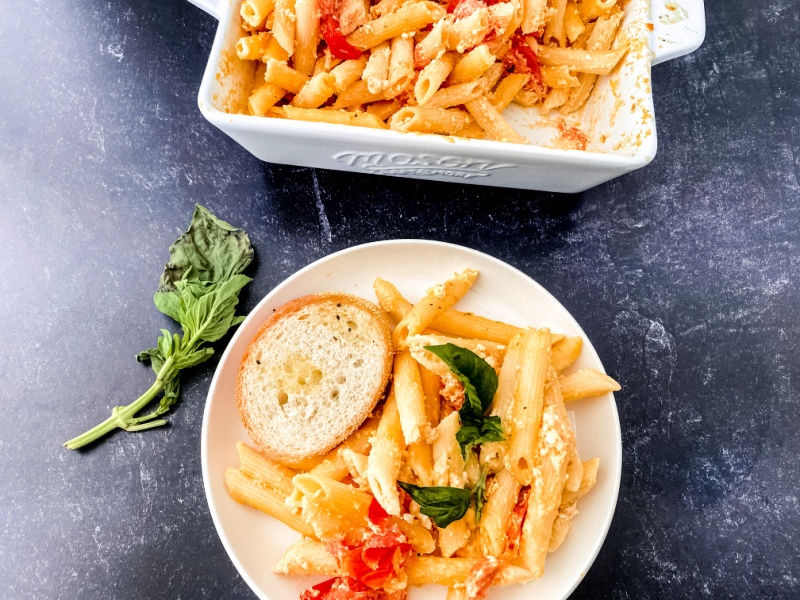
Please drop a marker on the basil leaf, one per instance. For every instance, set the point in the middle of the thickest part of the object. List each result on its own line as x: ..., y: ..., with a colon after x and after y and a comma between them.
x: 211, y: 250
x: 209, y: 317
x: 486, y: 429
x: 168, y: 303
x: 476, y: 375
x: 480, y: 495
x: 442, y: 504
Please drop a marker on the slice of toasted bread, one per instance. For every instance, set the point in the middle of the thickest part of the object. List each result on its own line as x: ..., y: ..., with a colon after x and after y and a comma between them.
x: 313, y: 373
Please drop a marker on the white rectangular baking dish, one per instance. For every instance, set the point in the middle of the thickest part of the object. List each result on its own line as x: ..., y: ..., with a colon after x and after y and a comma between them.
x: 618, y: 119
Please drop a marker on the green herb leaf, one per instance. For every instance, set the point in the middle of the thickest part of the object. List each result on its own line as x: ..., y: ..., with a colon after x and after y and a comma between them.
x: 200, y: 289
x: 442, y: 504
x: 476, y: 375
x: 486, y: 429
x: 210, y: 251
x: 480, y: 495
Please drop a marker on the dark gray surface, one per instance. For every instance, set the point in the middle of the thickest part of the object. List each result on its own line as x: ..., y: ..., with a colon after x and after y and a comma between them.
x: 684, y: 275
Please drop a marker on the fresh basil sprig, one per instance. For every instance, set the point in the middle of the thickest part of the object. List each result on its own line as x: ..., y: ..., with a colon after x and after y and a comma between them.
x: 199, y: 288
x: 441, y: 503
x: 480, y: 383
x: 446, y: 504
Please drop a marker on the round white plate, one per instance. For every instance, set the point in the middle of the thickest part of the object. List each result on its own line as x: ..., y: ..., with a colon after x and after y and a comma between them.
x: 255, y: 541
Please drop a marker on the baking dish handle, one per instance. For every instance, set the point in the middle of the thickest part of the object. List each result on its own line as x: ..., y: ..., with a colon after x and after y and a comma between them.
x: 679, y: 27
x: 212, y: 7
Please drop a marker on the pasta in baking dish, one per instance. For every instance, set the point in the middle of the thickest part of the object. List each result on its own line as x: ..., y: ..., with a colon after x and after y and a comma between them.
x: 425, y: 67
x: 467, y: 475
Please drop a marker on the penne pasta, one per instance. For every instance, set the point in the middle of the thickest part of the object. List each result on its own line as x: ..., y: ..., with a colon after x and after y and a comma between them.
x: 438, y: 299
x: 384, y: 460
x: 586, y: 383
x: 261, y: 497
x: 528, y: 403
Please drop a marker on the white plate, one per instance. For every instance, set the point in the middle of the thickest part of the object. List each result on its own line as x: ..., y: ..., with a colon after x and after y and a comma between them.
x: 255, y: 541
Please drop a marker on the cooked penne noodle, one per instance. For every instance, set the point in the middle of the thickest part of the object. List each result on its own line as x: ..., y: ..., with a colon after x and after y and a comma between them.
x: 561, y: 526
x: 600, y: 62
x: 253, y: 47
x: 376, y: 73
x: 559, y: 77
x: 336, y: 496
x: 545, y: 496
x: 455, y: 95
x: 430, y: 387
x: 534, y: 13
x: 602, y: 36
x: 497, y: 513
x: 448, y: 464
x: 454, y: 571
x: 356, y: 464
x: 408, y: 18
x: 507, y: 89
x: 315, y: 92
x: 306, y: 557
x: 526, y: 408
x: 432, y: 76
x: 357, y: 94
x: 455, y: 536
x: 261, y: 497
x: 410, y: 398
x: 446, y: 121
x: 565, y: 352
x: 468, y: 32
x: 390, y: 300
x: 401, y: 65
x: 589, y: 10
x: 255, y: 11
x: 306, y: 35
x: 384, y: 109
x: 492, y: 122
x: 588, y: 481
x: 283, y: 27
x: 437, y: 300
x: 282, y: 75
x: 384, y: 459
x: 264, y: 97
x: 338, y: 117
x: 573, y: 24
x: 346, y: 73
x: 432, y: 46
x: 555, y: 24
x: 472, y: 65
x: 468, y: 325
x: 257, y: 466
x: 586, y: 383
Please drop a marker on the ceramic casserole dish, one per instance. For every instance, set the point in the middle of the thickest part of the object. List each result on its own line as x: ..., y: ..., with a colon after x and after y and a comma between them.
x: 618, y: 119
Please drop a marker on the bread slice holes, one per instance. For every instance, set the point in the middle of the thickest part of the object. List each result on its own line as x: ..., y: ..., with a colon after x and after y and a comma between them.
x: 283, y: 397
x: 301, y: 380
x: 303, y: 317
x: 358, y: 362
x: 316, y: 376
x: 335, y: 394
x: 341, y: 379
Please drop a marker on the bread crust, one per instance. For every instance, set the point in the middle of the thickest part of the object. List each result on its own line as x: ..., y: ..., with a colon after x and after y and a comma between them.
x: 276, y: 451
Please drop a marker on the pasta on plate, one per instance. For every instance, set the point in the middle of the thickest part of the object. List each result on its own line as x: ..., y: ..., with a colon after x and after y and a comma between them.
x: 467, y: 475
x: 447, y: 68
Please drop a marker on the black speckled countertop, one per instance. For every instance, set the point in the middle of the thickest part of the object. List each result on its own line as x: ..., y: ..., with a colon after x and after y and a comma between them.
x: 684, y: 274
